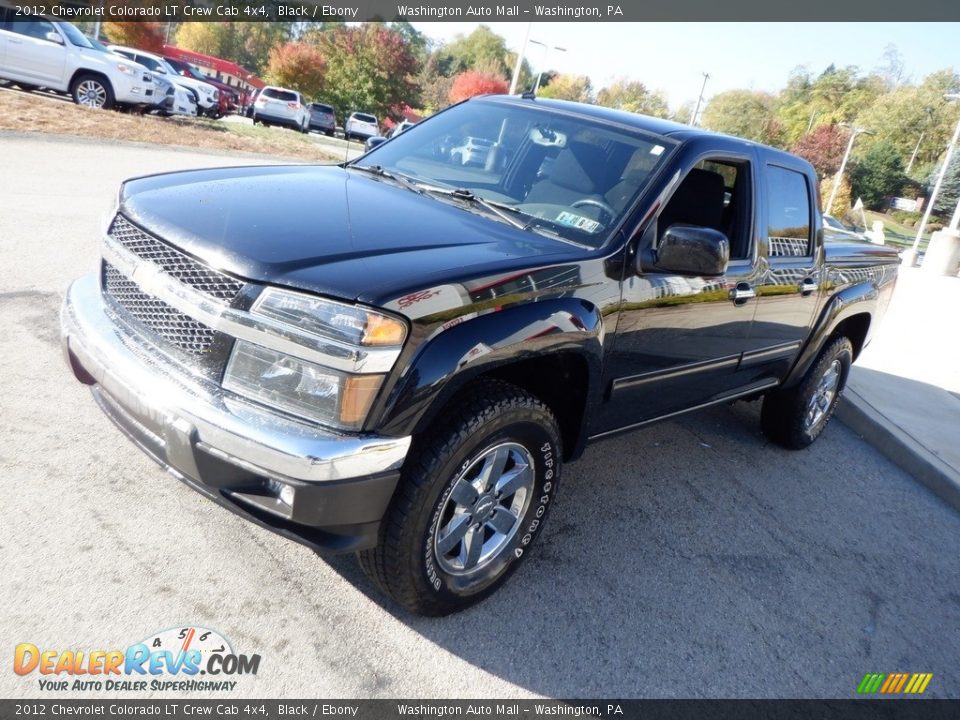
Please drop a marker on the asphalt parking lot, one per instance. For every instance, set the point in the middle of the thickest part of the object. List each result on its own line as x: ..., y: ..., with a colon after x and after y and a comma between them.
x: 692, y: 559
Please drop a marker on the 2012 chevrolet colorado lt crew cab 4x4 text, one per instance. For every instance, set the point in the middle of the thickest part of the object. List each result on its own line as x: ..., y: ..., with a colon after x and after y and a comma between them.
x: 395, y: 356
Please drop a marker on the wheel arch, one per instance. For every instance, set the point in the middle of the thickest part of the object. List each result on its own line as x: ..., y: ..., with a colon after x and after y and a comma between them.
x: 849, y: 312
x: 561, y: 367
x: 84, y: 72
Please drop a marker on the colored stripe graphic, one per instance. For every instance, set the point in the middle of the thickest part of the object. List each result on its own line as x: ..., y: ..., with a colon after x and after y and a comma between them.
x: 894, y: 683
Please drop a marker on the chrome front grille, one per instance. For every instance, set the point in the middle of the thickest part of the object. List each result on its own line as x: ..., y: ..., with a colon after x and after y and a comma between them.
x: 213, y: 283
x: 181, y: 331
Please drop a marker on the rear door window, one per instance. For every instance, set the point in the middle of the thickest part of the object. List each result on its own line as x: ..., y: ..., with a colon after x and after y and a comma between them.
x: 788, y: 213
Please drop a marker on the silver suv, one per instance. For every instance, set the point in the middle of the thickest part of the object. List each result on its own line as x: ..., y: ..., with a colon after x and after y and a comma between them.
x: 56, y: 55
x: 280, y: 106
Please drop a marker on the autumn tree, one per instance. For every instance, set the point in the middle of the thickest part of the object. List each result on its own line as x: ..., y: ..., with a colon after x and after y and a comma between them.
x: 472, y: 82
x: 568, y: 87
x: 823, y: 148
x: 299, y: 66
x: 245, y: 43
x: 142, y: 35
x: 633, y: 96
x: 369, y: 68
x: 744, y: 113
x: 842, y: 203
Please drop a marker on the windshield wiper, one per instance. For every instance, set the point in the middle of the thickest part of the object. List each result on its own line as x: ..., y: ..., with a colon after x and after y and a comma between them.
x: 499, y: 209
x: 380, y: 171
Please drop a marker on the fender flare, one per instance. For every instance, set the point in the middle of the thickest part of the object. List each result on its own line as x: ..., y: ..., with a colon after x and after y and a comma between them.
x: 854, y: 300
x: 457, y: 354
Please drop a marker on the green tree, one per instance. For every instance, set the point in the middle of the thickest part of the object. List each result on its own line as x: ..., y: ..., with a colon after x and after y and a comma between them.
x: 682, y: 114
x: 633, y: 96
x: 949, y: 193
x: 744, y: 113
x: 481, y: 50
x: 370, y: 68
x: 901, y: 116
x: 877, y: 175
x: 568, y: 87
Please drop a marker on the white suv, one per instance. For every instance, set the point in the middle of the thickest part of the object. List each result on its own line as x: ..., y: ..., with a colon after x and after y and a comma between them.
x: 280, y: 106
x: 206, y: 95
x: 361, y: 126
x: 55, y: 55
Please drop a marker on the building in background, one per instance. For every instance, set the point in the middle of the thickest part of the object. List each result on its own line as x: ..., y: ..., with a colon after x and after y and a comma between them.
x: 236, y: 76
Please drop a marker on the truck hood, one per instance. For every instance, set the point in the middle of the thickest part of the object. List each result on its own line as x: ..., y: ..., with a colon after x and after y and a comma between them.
x: 853, y: 251
x: 329, y: 230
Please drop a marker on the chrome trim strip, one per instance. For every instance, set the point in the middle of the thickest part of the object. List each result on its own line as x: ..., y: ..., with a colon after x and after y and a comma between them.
x: 199, y: 415
x: 630, y: 381
x: 782, y: 351
x: 259, y: 329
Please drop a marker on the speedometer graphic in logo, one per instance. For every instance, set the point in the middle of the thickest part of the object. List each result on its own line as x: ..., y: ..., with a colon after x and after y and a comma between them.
x: 181, y: 640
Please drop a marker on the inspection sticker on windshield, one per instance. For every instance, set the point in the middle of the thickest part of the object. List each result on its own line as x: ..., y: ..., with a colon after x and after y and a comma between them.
x: 578, y: 221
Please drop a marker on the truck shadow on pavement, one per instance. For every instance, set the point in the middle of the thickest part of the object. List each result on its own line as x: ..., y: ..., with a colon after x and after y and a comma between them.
x: 696, y: 559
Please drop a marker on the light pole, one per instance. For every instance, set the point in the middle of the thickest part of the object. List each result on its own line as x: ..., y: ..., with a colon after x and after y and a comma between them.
x: 519, y: 65
x: 696, y: 110
x: 843, y: 165
x: 911, y: 258
x: 546, y: 49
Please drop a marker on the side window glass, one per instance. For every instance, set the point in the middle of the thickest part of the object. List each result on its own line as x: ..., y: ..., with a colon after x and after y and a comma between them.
x: 716, y: 194
x: 788, y: 210
x: 33, y: 28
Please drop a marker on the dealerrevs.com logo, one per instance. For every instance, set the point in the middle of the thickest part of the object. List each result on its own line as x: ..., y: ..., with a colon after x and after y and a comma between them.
x: 178, y: 659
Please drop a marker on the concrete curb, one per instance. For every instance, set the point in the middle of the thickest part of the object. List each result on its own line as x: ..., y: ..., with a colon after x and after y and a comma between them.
x: 899, y: 446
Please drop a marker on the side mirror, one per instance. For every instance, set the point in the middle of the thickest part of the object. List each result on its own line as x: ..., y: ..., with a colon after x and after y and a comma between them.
x: 372, y: 142
x: 54, y: 36
x: 689, y: 250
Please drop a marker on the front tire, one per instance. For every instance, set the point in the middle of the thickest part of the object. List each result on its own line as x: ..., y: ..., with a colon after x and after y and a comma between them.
x: 92, y: 91
x: 797, y: 416
x: 474, y: 493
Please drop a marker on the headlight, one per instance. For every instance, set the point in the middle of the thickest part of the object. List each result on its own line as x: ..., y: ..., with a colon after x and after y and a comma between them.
x: 307, y: 389
x: 299, y: 387
x: 126, y: 69
x: 330, y: 319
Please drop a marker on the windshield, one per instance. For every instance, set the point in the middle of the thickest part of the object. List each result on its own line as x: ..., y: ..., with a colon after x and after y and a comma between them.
x: 75, y: 36
x: 555, y: 173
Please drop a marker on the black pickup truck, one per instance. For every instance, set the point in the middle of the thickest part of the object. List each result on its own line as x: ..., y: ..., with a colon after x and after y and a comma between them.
x: 395, y: 356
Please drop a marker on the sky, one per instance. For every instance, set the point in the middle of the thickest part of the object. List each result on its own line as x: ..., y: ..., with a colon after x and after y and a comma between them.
x: 758, y: 56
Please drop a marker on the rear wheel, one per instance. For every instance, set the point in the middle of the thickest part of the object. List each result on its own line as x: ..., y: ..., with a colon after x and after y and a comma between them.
x: 474, y: 493
x: 92, y: 91
x: 797, y: 416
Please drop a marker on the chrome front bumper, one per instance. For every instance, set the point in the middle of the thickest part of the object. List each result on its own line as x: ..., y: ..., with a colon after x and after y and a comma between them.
x: 203, y: 434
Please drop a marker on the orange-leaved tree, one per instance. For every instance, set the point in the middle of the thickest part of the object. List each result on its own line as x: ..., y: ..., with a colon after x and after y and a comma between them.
x: 299, y: 66
x: 471, y: 82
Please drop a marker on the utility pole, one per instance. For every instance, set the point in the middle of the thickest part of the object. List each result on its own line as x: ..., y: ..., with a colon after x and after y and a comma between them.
x: 696, y: 110
x: 519, y: 65
x: 843, y: 166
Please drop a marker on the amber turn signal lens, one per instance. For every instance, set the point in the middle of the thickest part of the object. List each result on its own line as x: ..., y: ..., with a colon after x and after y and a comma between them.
x: 382, y: 330
x: 358, y: 394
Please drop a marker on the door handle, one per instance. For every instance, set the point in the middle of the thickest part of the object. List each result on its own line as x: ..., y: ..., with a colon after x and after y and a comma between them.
x: 807, y: 287
x: 741, y: 293
x: 16, y: 41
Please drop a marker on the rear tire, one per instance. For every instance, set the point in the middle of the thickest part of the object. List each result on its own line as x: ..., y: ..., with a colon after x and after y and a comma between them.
x: 797, y: 416
x: 474, y: 492
x: 92, y: 91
